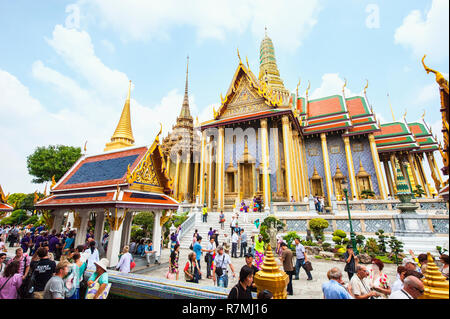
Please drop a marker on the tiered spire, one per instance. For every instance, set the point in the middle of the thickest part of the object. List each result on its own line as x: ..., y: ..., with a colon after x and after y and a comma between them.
x: 268, y: 69
x: 123, y: 135
x: 185, y: 112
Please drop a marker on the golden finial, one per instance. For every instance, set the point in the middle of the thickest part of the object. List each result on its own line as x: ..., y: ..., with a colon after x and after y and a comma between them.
x: 239, y: 56
x: 307, y: 89
x: 439, y: 77
x: 36, y: 197
x: 404, y: 115
x: 246, y: 60
x: 85, y: 146
x: 345, y: 84
x: 45, y: 190
x: 53, y: 182
x: 390, y: 105
x: 367, y: 85
x: 423, y: 115
x: 221, y: 97
x: 298, y: 84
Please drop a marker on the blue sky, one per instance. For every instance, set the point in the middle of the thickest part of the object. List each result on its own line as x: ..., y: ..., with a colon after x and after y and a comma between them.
x: 65, y: 65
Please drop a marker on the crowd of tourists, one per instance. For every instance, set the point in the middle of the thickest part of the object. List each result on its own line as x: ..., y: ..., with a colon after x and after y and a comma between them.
x: 48, y: 265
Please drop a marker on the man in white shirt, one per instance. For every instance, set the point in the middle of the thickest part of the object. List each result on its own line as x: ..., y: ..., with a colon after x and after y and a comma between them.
x: 222, y: 261
x: 234, y: 244
x: 360, y: 285
x: 412, y: 289
x: 210, y: 248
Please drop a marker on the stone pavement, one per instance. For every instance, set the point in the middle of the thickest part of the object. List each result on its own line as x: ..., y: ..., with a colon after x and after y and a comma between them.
x: 303, y: 289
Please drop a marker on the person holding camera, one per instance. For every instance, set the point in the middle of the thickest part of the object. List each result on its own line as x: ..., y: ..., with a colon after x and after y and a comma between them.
x: 360, y: 286
x: 220, y: 272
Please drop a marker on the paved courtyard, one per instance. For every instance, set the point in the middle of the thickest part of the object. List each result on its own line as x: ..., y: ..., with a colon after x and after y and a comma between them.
x: 303, y: 289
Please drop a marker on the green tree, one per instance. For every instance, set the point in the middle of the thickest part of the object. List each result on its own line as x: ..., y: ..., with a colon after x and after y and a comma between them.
x: 145, y: 220
x: 418, y: 191
x: 15, y: 199
x: 339, y: 236
x: 396, y: 248
x: 317, y: 225
x: 16, y: 218
x: 381, y: 240
x: 367, y: 193
x: 54, y: 160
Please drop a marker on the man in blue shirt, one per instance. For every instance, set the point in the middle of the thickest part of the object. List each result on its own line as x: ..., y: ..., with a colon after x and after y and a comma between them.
x: 197, y: 248
x: 333, y: 289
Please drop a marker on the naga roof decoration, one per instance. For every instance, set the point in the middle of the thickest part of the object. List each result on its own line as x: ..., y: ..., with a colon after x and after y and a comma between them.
x: 4, y: 206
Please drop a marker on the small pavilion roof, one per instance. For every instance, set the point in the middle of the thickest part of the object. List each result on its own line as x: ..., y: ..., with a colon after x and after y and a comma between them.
x: 423, y: 136
x: 395, y: 136
x: 363, y: 120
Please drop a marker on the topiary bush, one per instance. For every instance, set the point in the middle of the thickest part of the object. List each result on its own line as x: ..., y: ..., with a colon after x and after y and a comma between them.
x: 317, y: 226
x: 372, y: 247
x: 290, y: 237
x: 339, y: 236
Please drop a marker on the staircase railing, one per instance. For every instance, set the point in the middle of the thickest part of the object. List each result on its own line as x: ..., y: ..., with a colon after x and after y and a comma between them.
x: 187, y: 225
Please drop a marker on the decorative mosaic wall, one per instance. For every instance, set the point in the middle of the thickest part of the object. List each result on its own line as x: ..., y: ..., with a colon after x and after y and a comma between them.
x: 272, y: 163
x: 345, y: 225
x: 433, y: 206
x: 366, y: 158
x: 336, y: 154
x: 314, y: 157
x: 330, y: 226
x: 299, y: 225
x: 440, y: 226
x: 373, y: 225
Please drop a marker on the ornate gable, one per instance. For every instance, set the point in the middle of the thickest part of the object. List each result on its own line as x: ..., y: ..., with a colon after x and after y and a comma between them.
x: 246, y: 95
x: 150, y: 174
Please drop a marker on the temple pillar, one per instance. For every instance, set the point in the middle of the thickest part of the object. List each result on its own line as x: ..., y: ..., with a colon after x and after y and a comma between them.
x: 293, y: 162
x: 157, y: 234
x: 376, y: 163
x: 265, y: 164
x: 115, y: 236
x: 438, y: 171
x: 287, y: 158
x: 221, y: 169
x: 394, y: 170
x: 187, y: 173
x: 278, y: 170
x: 389, y: 178
x: 422, y: 176
x: 99, y: 226
x: 177, y: 177
x: 413, y: 169
x: 434, y: 176
x: 195, y: 185
x: 126, y: 230
x: 298, y: 184
x: 326, y: 167
x: 58, y: 220
x: 351, y: 168
x: 210, y: 177
x: 80, y: 239
x: 203, y: 166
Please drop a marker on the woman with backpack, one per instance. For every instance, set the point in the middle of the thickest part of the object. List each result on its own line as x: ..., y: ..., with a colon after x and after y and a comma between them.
x: 11, y: 281
x: 191, y: 271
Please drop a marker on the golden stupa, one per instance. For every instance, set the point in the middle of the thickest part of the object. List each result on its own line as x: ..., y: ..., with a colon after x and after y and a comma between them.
x: 435, y: 284
x: 270, y: 277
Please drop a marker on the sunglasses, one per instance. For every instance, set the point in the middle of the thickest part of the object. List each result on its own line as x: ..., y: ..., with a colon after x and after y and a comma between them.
x: 420, y: 290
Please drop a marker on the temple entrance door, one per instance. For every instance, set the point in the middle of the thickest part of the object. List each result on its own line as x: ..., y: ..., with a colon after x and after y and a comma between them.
x: 247, y: 180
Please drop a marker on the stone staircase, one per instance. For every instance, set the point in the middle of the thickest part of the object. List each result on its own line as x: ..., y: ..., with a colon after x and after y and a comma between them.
x: 213, y: 221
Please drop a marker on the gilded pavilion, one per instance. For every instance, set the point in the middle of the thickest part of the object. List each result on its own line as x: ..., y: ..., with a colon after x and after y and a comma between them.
x: 266, y: 141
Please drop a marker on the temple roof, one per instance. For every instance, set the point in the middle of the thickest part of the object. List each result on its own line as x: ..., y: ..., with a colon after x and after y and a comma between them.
x: 4, y: 207
x: 107, y: 199
x: 423, y: 136
x: 395, y: 136
x: 363, y: 120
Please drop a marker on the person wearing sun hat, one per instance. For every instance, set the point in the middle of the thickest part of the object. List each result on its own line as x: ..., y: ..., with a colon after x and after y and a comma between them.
x: 100, y: 275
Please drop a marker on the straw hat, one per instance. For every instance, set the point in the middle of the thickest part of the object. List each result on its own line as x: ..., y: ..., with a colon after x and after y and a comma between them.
x: 103, y: 263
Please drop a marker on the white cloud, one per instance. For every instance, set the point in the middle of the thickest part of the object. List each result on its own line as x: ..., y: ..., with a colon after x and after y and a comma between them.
x: 288, y: 22
x: 108, y: 45
x: 427, y: 94
x: 331, y: 84
x: 426, y: 33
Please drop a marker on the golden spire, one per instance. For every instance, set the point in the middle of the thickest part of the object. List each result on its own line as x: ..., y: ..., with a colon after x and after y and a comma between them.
x: 365, y: 88
x: 343, y: 87
x: 271, y: 277
x: 435, y: 284
x: 423, y: 115
x: 239, y: 56
x: 307, y: 89
x: 439, y: 77
x: 53, y: 182
x: 123, y: 135
x: 362, y: 172
x: 390, y: 105
x: 298, y: 84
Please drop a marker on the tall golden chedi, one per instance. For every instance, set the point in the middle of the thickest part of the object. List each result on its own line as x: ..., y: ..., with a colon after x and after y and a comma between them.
x: 436, y: 286
x: 123, y: 135
x: 270, y: 277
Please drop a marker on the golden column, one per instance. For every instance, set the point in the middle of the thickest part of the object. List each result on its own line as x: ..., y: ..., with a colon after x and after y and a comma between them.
x: 437, y: 169
x: 188, y: 169
x: 389, y: 178
x: 376, y: 163
x: 293, y: 166
x: 434, y: 176
x: 265, y: 163
x: 195, y: 185
x: 221, y: 168
x: 202, y: 168
x: 298, y: 183
x: 413, y: 169
x: 287, y: 158
x: 351, y: 168
x: 422, y: 175
x: 270, y: 277
x: 276, y: 147
x: 435, y: 284
x: 305, y: 167
x: 326, y: 167
x: 210, y: 171
x: 177, y: 175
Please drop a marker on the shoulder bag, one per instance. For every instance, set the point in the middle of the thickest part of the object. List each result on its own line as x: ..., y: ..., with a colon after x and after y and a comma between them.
x: 219, y: 270
x: 5, y: 283
x: 308, y: 266
x: 92, y: 291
